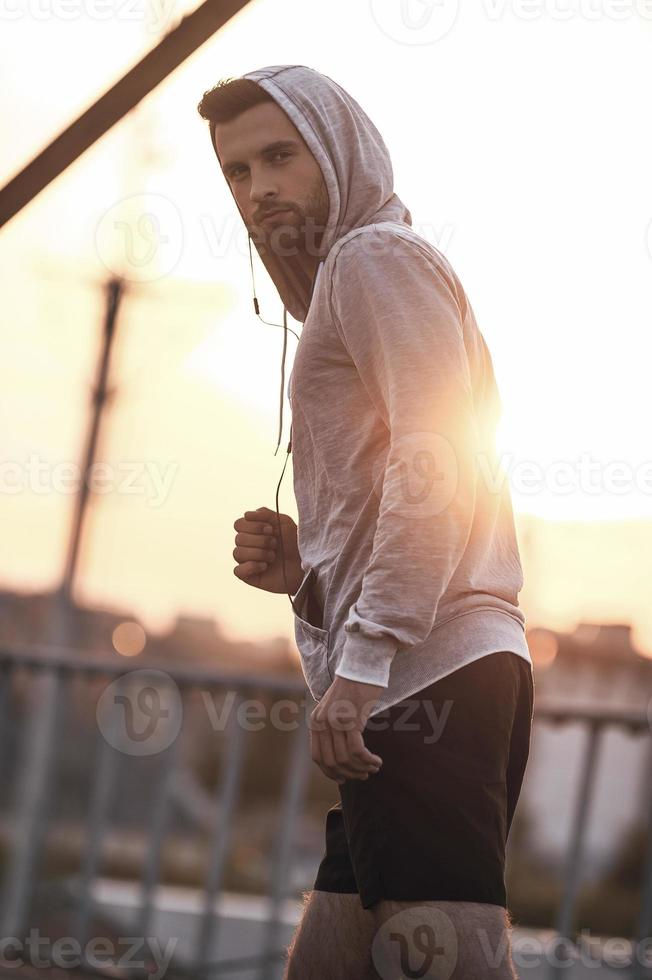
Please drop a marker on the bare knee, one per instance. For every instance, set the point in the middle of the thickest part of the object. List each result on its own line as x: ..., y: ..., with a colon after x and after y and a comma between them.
x: 442, y: 940
x: 333, y: 939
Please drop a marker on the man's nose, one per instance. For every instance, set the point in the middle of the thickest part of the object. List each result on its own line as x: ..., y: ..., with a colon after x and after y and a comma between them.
x: 263, y: 188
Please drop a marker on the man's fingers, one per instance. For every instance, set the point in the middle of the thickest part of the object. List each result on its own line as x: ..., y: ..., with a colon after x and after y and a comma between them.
x: 327, y: 754
x: 254, y: 554
x: 265, y: 514
x: 255, y: 526
x: 322, y: 754
x: 359, y: 752
x: 248, y: 569
x: 328, y: 763
x: 255, y: 540
x: 345, y: 764
x: 330, y: 751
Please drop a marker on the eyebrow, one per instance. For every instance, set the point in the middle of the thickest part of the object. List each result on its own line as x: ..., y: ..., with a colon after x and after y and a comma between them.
x: 277, y: 145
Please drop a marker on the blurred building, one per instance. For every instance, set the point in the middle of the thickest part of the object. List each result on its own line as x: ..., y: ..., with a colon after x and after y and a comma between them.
x: 26, y: 620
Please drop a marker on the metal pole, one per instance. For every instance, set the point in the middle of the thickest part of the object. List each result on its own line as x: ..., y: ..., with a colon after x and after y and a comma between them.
x: 103, y: 789
x: 35, y: 779
x: 295, y: 785
x: 228, y: 791
x: 101, y: 395
x: 152, y: 868
x: 644, y: 929
x: 574, y: 857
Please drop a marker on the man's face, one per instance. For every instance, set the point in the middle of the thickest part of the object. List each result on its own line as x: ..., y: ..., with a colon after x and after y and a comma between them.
x: 269, y: 167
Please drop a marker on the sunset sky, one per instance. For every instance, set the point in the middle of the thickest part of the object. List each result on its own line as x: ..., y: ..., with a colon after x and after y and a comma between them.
x: 521, y: 144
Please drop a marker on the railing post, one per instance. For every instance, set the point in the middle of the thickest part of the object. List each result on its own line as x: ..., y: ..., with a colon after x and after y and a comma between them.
x: 105, y: 769
x: 35, y: 774
x: 227, y: 798
x: 644, y: 929
x: 6, y: 674
x: 574, y: 856
x: 295, y: 784
x: 152, y: 867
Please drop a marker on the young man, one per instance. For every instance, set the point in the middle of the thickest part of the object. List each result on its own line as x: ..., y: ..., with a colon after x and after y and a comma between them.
x: 404, y: 568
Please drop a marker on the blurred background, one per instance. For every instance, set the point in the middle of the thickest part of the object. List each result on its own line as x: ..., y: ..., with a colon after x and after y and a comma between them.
x: 520, y: 138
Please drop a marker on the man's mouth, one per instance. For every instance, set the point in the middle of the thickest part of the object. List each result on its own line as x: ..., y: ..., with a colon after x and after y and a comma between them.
x: 274, y: 214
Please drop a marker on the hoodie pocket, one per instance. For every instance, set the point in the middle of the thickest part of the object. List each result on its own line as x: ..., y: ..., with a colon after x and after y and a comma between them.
x: 311, y: 638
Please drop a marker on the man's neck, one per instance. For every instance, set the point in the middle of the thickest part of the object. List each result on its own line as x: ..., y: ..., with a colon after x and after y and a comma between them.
x: 304, y: 267
x: 308, y: 263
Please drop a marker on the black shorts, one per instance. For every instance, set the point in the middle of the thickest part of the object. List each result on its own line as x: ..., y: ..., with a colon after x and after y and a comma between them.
x: 432, y: 824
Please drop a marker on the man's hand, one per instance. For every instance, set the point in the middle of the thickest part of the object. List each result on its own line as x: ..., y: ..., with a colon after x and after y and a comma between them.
x: 336, y: 727
x: 258, y: 553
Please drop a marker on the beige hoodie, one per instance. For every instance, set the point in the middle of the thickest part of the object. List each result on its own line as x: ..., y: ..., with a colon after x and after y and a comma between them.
x: 406, y: 531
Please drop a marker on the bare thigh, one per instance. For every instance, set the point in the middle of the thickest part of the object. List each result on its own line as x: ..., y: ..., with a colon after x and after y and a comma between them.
x: 333, y: 939
x: 441, y: 940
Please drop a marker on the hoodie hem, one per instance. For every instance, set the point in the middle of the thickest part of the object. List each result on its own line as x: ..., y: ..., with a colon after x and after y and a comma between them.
x: 452, y: 644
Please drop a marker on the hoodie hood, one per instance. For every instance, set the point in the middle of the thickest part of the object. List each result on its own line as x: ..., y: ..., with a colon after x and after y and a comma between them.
x: 353, y: 158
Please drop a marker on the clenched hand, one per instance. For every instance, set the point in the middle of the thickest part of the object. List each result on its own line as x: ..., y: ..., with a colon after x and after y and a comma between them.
x: 258, y: 553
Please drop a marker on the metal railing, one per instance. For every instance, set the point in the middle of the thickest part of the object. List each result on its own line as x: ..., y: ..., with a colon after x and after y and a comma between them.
x: 596, y: 723
x: 49, y: 671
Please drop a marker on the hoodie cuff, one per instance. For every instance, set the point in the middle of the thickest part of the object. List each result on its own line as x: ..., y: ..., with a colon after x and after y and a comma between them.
x: 367, y: 660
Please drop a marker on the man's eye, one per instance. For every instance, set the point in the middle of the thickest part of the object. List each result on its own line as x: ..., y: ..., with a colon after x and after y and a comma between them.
x: 272, y: 156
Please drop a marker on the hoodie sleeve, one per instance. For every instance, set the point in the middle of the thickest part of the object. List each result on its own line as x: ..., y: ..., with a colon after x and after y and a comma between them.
x: 397, y: 313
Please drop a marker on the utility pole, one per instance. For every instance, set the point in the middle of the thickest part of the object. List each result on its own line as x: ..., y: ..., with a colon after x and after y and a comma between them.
x: 102, y: 394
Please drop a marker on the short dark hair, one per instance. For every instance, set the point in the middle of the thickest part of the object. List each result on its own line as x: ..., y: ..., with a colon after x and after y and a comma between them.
x: 229, y: 98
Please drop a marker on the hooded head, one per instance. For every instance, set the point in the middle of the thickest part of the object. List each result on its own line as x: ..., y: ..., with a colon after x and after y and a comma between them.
x: 353, y: 159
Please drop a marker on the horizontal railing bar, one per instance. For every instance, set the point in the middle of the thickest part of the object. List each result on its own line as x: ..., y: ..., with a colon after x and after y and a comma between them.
x: 45, y: 656
x: 546, y: 709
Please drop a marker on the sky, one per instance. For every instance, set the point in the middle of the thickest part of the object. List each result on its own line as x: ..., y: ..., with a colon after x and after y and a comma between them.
x: 520, y: 139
